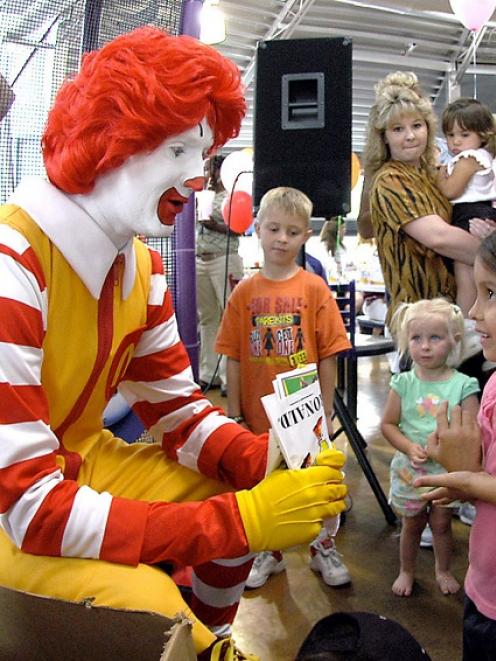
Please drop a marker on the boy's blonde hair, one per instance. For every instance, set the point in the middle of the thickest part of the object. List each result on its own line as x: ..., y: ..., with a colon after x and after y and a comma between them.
x: 408, y: 312
x: 397, y: 94
x: 289, y: 200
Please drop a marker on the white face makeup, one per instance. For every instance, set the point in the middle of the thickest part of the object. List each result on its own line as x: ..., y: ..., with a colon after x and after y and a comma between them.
x: 145, y: 194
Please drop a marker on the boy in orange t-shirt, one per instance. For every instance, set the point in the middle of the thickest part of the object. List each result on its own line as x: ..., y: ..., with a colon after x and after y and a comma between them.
x: 280, y: 318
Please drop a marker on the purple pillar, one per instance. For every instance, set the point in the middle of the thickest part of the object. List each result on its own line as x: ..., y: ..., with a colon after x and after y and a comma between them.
x: 185, y: 267
x: 190, y: 17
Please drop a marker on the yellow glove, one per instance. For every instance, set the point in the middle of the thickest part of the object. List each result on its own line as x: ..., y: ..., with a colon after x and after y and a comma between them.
x: 332, y: 458
x: 288, y: 506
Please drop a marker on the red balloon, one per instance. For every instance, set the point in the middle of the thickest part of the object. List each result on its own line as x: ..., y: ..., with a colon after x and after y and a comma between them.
x: 240, y: 208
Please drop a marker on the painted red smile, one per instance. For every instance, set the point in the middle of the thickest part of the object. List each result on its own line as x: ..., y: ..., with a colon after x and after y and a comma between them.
x: 170, y: 204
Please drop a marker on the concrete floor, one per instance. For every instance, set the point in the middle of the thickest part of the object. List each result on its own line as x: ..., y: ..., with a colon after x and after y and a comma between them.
x: 273, y: 620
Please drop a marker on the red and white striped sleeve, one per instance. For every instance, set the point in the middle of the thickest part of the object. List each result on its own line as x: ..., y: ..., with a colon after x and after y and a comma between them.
x: 45, y: 514
x: 159, y: 385
x: 28, y: 472
x: 42, y: 512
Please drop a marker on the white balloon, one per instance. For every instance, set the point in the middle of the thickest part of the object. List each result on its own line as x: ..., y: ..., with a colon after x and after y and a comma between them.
x: 245, y: 183
x: 234, y: 164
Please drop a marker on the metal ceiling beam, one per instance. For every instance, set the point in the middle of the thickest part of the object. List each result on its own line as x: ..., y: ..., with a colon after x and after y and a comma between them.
x: 403, y: 42
x: 297, y: 18
x: 468, y: 58
x: 451, y: 85
x: 447, y: 86
x: 398, y: 60
x: 274, y: 31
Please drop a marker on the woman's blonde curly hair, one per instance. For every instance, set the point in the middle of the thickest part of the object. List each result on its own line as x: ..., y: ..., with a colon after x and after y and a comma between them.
x: 397, y: 94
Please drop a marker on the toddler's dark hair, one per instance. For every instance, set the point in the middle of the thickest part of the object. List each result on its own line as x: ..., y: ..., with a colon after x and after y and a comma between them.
x: 471, y: 115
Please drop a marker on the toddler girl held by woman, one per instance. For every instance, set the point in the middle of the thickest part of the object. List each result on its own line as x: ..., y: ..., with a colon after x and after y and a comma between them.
x: 468, y: 179
x: 431, y: 331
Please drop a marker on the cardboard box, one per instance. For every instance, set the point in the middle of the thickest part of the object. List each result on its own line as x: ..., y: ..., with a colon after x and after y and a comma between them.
x: 45, y: 629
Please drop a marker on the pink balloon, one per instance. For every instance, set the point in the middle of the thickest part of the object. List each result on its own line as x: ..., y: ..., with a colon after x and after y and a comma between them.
x: 240, y: 206
x: 473, y: 13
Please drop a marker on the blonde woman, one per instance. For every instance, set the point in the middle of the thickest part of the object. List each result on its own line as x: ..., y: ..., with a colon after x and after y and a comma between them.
x: 410, y: 216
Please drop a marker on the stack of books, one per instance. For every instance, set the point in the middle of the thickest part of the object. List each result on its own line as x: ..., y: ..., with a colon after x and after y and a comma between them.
x: 296, y: 413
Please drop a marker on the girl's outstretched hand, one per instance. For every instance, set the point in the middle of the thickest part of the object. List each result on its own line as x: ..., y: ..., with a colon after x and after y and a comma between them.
x: 450, y: 487
x: 456, y: 443
x: 461, y: 485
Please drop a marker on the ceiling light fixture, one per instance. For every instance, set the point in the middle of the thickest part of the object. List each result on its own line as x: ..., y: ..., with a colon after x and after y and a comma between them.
x: 212, y: 23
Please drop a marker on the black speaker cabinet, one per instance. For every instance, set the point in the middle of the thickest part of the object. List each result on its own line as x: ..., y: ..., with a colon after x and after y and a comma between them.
x: 302, y: 131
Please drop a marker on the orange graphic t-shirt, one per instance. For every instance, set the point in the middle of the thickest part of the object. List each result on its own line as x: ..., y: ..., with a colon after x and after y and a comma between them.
x: 272, y: 326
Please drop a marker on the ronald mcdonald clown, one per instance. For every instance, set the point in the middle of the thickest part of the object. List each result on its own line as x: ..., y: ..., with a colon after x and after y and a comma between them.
x: 85, y: 310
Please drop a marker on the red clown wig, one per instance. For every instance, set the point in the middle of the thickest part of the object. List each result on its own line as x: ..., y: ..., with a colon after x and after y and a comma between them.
x: 132, y: 94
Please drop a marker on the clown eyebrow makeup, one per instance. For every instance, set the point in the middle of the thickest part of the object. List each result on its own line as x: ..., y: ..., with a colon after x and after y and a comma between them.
x: 201, y: 130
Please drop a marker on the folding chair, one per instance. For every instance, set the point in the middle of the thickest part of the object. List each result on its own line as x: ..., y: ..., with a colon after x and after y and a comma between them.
x: 362, y: 344
x: 345, y: 396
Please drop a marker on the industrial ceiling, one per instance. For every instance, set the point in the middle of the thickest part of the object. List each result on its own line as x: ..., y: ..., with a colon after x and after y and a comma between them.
x: 414, y: 35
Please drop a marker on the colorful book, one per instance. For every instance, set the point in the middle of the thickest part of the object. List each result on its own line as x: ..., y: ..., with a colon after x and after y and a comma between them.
x: 296, y: 413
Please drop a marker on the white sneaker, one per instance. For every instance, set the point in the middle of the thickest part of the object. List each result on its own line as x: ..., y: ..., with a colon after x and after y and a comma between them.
x: 467, y: 513
x: 426, y: 538
x: 326, y: 560
x: 264, y: 565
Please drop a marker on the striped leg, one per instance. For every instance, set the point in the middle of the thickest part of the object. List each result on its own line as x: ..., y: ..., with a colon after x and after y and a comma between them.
x: 217, y: 590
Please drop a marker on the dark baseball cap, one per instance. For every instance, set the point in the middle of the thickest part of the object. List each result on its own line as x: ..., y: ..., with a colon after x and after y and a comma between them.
x: 360, y: 637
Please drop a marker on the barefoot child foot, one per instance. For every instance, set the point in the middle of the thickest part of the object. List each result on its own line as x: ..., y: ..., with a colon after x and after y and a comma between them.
x: 403, y: 585
x: 447, y: 582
